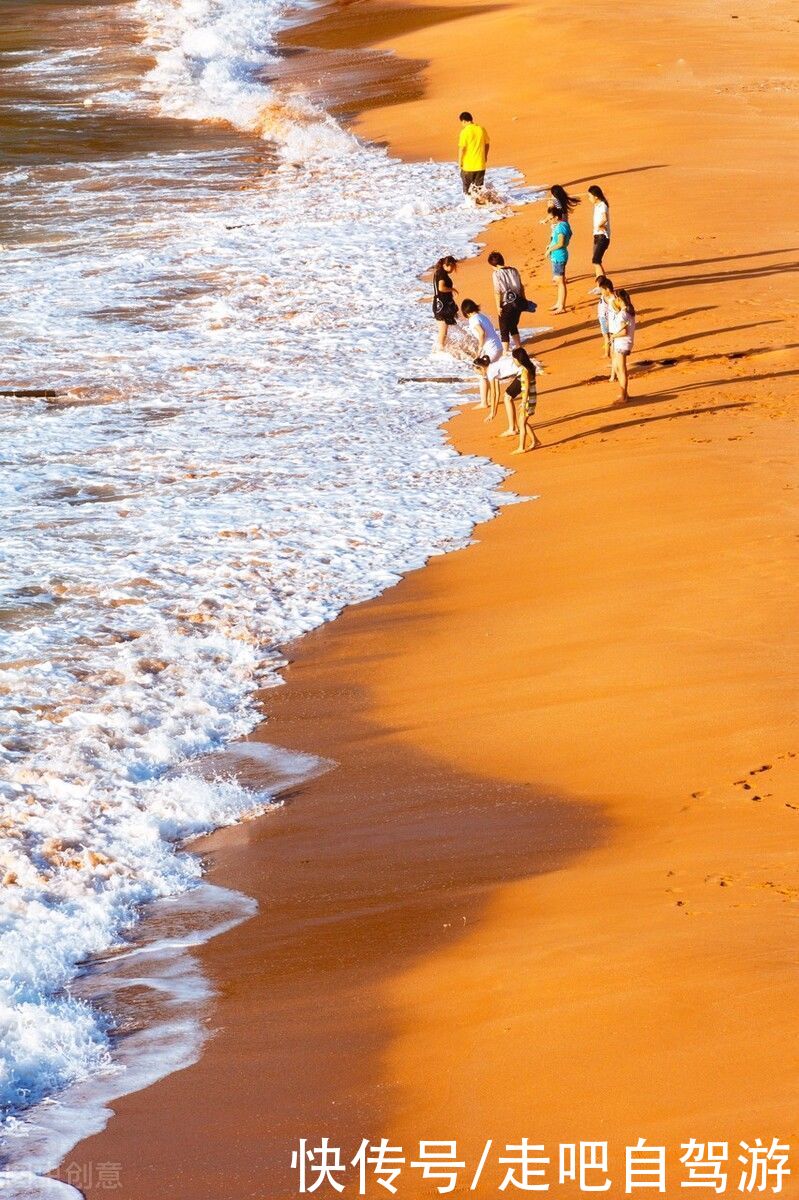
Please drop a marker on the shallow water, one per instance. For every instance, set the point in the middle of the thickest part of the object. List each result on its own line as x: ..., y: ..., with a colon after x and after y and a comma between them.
x: 224, y: 312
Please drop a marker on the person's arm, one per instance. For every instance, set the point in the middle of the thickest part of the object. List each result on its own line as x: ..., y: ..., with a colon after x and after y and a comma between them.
x: 555, y: 245
x: 460, y: 151
x: 488, y: 145
x: 480, y: 337
x: 603, y: 228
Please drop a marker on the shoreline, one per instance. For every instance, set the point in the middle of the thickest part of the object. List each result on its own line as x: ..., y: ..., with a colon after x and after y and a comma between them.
x: 394, y: 547
x: 355, y: 691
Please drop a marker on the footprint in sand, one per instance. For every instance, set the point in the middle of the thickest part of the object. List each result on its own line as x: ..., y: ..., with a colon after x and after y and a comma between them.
x: 782, y: 889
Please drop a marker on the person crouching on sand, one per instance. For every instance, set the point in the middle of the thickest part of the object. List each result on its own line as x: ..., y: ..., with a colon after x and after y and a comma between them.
x: 558, y: 252
x: 488, y: 343
x: 622, y: 332
x: 473, y: 147
x: 603, y: 310
x: 445, y: 308
x: 523, y: 389
x: 497, y: 375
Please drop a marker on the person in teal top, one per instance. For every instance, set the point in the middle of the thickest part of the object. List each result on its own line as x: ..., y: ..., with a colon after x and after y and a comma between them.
x: 558, y: 251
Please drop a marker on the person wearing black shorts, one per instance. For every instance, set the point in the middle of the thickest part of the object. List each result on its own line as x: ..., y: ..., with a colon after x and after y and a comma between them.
x: 509, y: 295
x: 523, y: 388
x: 445, y: 307
x: 601, y: 243
x: 601, y: 227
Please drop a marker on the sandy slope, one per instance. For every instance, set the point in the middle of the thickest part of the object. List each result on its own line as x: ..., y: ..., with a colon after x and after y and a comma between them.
x: 630, y: 637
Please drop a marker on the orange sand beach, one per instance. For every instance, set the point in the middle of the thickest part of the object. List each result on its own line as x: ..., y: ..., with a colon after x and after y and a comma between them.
x: 550, y: 889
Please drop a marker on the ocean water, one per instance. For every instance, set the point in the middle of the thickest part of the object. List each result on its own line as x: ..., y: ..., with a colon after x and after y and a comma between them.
x: 226, y: 457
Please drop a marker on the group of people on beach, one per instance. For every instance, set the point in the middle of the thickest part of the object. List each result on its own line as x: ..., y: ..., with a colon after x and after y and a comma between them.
x: 502, y: 364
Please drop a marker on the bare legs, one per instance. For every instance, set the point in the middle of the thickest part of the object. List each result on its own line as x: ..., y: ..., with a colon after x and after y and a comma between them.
x: 610, y: 355
x: 484, y: 388
x: 510, y: 413
x: 442, y: 334
x: 560, y: 294
x: 525, y: 427
x: 521, y: 426
x: 619, y: 368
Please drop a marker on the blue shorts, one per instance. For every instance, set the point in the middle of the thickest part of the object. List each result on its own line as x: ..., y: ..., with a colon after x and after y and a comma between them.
x: 558, y: 268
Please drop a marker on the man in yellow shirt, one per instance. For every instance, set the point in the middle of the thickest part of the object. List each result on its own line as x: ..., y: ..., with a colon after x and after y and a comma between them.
x: 472, y: 153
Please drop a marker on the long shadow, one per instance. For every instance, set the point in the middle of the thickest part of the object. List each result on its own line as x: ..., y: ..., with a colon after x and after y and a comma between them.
x: 632, y: 403
x: 718, y: 383
x: 694, y: 337
x: 702, y: 262
x: 375, y: 866
x: 593, y: 326
x: 687, y: 387
x: 736, y: 276
x: 590, y: 323
x: 600, y: 175
x: 649, y: 365
x: 616, y: 425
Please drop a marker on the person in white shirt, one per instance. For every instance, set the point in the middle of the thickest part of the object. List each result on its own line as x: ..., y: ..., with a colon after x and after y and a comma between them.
x: 497, y: 375
x: 621, y: 327
x: 601, y: 227
x: 487, y: 339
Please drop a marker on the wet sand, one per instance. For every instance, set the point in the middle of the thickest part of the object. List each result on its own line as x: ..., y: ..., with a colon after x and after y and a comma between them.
x: 550, y: 888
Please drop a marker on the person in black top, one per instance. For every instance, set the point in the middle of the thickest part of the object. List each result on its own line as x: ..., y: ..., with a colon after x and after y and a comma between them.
x: 445, y: 307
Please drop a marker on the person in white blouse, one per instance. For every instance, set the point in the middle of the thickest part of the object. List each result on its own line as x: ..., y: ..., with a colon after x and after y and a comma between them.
x: 621, y: 326
x: 487, y: 339
x: 496, y: 376
x: 601, y: 227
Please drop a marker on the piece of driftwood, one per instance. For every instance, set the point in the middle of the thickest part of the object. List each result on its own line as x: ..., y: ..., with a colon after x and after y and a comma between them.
x: 43, y: 393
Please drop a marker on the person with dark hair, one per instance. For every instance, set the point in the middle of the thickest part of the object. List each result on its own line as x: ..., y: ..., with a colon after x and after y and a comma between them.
x: 488, y: 343
x: 523, y: 388
x: 601, y: 227
x: 496, y: 374
x: 558, y: 252
x: 445, y: 307
x: 604, y: 287
x: 561, y: 200
x: 622, y: 332
x: 510, y: 299
x: 473, y: 146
